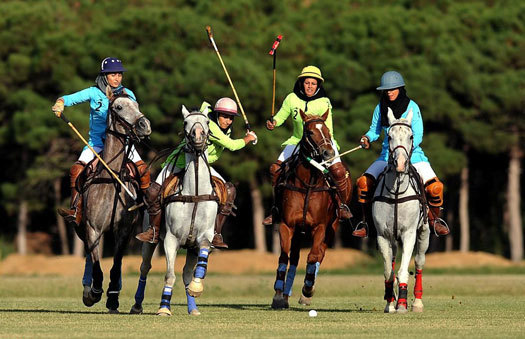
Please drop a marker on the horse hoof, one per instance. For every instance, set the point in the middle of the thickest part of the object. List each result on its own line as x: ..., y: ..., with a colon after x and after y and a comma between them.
x: 195, y: 288
x: 89, y: 297
x: 164, y: 312
x: 110, y: 311
x: 390, y: 308
x: 279, y: 303
x: 136, y: 309
x: 194, y: 312
x: 417, y: 306
x: 305, y: 300
x: 401, y: 309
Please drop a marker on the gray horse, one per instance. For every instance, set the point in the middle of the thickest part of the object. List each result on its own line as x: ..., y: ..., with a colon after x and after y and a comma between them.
x: 398, y: 210
x: 189, y: 220
x: 106, y: 205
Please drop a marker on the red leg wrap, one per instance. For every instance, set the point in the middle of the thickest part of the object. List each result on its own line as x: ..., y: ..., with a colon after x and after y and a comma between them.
x: 418, y: 287
x: 402, y: 295
x: 389, y: 291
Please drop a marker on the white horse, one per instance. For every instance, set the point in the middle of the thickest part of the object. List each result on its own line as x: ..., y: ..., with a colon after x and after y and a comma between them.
x: 189, y: 220
x: 399, y: 212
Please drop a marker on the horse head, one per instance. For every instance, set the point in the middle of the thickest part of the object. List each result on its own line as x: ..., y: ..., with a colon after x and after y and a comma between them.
x: 316, y: 141
x: 196, y: 129
x: 125, y: 117
x: 400, y: 140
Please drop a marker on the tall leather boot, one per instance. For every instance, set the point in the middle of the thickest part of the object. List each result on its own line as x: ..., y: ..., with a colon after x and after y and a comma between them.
x: 151, y: 193
x: 73, y: 215
x: 344, y: 190
x: 274, y: 172
x: 365, y: 189
x: 434, y: 194
x: 224, y: 211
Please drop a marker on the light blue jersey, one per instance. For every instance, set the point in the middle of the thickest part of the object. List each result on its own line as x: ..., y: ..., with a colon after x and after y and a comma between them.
x: 417, y: 129
x: 99, y: 104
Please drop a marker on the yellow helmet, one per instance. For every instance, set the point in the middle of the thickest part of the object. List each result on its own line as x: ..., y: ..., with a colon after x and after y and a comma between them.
x: 311, y: 72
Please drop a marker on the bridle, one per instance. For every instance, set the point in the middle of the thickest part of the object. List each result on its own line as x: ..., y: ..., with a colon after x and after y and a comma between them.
x: 191, y: 147
x: 407, y: 152
x: 130, y: 130
x: 314, y: 147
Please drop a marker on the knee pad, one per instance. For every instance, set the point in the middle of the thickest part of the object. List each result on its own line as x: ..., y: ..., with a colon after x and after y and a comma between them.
x: 365, y: 186
x: 434, y: 192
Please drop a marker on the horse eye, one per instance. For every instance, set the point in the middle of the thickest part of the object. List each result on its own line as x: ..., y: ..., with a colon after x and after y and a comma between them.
x: 119, y: 107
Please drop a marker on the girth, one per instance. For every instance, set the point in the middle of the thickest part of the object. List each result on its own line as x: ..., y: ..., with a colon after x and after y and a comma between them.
x: 396, y: 201
x: 191, y: 198
x: 305, y: 190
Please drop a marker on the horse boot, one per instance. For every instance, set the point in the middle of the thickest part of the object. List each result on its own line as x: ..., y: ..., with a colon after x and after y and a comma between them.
x: 344, y: 190
x: 365, y: 186
x: 151, y: 193
x: 73, y: 215
x: 274, y: 172
x: 434, y: 194
x: 225, y: 210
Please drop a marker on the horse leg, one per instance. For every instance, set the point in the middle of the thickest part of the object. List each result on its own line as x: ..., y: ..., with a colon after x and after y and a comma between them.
x: 387, y: 252
x: 187, y: 275
x: 145, y: 267
x: 171, y: 246
x: 92, y: 294
x: 286, y: 234
x: 292, y: 269
x: 419, y: 259
x: 115, y: 280
x: 408, y: 243
x: 315, y: 257
x: 196, y: 287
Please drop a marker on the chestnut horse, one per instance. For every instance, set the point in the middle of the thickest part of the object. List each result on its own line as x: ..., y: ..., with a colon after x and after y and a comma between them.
x: 306, y: 200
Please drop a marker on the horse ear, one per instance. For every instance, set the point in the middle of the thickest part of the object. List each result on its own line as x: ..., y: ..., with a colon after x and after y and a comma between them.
x: 325, y: 115
x: 409, y: 116
x: 390, y: 116
x: 303, y: 115
x: 109, y: 92
x: 185, y: 112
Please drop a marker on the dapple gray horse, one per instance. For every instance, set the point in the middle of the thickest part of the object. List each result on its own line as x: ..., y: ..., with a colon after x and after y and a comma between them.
x: 189, y: 220
x: 106, y: 204
x: 399, y: 213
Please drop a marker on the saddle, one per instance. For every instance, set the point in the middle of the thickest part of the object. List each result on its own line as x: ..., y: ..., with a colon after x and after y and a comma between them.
x: 170, y: 187
x: 88, y: 175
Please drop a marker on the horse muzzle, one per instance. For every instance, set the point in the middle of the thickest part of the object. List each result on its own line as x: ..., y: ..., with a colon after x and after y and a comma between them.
x: 143, y: 127
x: 327, y: 153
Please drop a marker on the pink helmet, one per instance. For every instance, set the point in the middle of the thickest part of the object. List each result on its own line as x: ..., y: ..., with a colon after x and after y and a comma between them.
x: 226, y: 106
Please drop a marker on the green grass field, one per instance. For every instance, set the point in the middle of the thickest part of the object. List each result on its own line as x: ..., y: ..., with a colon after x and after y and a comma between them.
x: 474, y: 305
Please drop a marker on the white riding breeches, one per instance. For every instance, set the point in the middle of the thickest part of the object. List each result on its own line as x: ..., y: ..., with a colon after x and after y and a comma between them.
x: 87, y: 155
x: 423, y: 168
x: 289, y: 150
x: 171, y: 168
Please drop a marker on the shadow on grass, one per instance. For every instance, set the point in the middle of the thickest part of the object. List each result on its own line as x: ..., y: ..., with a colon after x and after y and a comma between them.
x: 50, y: 311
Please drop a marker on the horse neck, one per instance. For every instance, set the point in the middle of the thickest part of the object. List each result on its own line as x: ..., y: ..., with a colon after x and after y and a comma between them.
x: 203, y: 176
x: 112, y: 146
x: 305, y: 172
x: 392, y: 179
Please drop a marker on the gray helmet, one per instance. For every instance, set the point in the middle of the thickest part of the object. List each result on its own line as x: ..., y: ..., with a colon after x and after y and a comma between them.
x: 391, y: 80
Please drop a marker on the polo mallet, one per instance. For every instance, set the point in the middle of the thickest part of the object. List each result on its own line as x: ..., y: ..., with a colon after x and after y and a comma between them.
x: 66, y: 120
x: 210, y: 36
x: 273, y: 52
x: 340, y: 155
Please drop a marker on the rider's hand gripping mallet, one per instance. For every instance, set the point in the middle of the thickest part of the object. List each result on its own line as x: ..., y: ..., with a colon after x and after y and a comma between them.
x: 273, y: 52
x: 210, y: 36
x: 70, y: 124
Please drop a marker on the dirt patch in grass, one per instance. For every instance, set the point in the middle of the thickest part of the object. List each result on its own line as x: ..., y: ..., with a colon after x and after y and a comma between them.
x: 237, y: 262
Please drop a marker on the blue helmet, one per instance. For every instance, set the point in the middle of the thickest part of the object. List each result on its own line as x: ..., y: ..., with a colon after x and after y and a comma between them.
x: 111, y: 65
x: 391, y: 80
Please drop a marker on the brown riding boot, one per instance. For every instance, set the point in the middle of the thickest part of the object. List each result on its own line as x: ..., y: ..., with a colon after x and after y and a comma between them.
x: 365, y: 188
x: 434, y: 194
x: 73, y: 215
x: 151, y: 193
x: 224, y: 211
x: 274, y: 172
x: 344, y: 190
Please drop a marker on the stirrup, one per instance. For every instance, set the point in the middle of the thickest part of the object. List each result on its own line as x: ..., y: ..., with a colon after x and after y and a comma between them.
x: 443, y: 223
x: 360, y: 225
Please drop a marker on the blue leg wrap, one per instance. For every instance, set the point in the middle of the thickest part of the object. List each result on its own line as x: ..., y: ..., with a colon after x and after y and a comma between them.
x: 202, y: 263
x: 290, y: 276
x: 311, y: 272
x: 279, y: 280
x: 166, y: 297
x: 191, y: 303
x: 87, y: 279
x: 139, y: 295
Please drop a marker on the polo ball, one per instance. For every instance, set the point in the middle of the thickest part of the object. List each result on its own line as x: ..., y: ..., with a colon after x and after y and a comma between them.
x: 312, y: 313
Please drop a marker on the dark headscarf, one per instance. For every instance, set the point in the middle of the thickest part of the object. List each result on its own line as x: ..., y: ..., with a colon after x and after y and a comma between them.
x: 101, y: 82
x: 298, y: 89
x: 398, y: 106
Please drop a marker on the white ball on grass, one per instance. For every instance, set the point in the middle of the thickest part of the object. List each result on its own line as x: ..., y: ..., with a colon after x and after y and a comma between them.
x: 312, y: 313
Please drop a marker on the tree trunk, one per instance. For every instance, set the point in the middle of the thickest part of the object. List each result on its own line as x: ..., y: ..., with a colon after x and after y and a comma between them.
x: 78, y: 247
x: 62, y: 231
x: 513, y: 204
x: 21, y: 238
x: 276, y: 240
x: 258, y: 217
x: 463, y: 211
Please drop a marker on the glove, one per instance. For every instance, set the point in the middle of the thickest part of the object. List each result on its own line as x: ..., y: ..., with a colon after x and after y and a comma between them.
x: 270, y: 124
x: 58, y: 108
x: 252, y: 133
x: 364, y: 142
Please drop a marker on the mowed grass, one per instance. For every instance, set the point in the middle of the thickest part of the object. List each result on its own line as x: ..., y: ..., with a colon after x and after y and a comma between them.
x: 239, y: 306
